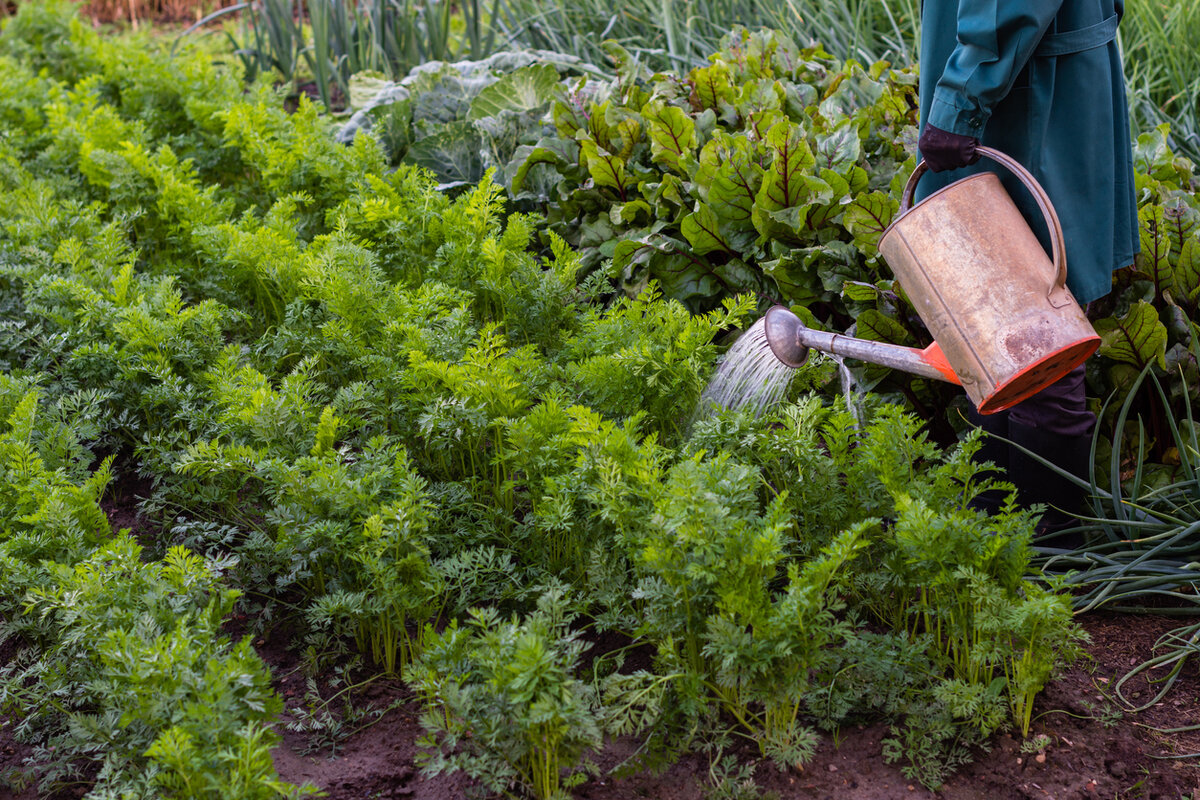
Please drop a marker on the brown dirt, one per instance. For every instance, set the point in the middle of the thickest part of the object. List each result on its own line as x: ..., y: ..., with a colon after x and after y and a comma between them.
x: 122, y: 505
x: 1095, y: 750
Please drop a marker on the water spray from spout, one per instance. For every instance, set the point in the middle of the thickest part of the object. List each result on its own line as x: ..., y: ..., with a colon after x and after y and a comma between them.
x: 851, y: 392
x: 749, y: 377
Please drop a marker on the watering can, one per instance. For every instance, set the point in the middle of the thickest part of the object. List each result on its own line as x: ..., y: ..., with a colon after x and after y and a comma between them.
x: 1004, y: 323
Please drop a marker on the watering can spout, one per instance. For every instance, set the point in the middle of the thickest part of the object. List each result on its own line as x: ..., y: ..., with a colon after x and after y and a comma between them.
x: 790, y: 341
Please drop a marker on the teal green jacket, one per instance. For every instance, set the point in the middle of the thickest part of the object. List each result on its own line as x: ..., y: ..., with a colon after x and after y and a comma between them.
x: 1041, y: 80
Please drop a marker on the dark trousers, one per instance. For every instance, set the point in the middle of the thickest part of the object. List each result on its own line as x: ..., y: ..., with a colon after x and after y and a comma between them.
x: 1055, y: 424
x: 1060, y: 408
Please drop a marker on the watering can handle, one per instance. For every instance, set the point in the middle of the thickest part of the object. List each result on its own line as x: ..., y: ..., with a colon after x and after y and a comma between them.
x: 1058, y: 294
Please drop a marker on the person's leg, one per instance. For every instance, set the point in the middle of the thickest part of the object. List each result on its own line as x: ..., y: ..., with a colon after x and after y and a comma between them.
x: 1057, y: 425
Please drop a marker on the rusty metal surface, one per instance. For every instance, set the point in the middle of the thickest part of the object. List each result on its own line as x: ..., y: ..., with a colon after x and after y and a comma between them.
x: 981, y: 282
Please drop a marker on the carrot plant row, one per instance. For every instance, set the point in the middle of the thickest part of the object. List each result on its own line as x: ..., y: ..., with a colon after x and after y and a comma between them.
x: 400, y: 423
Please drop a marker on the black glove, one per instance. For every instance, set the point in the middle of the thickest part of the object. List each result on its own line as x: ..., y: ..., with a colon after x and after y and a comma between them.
x: 944, y: 150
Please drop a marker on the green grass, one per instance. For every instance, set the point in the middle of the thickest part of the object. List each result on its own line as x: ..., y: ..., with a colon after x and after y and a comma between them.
x: 1162, y: 65
x: 681, y: 33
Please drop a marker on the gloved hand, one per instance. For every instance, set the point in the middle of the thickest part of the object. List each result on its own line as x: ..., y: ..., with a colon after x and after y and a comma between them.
x: 944, y: 150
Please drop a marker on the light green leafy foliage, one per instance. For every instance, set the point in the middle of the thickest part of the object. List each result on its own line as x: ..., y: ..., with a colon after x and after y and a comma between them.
x: 348, y: 533
x: 134, y: 670
x: 49, y: 497
x: 50, y: 37
x: 504, y: 704
x: 119, y: 660
x: 650, y: 353
x: 369, y: 407
x: 951, y: 662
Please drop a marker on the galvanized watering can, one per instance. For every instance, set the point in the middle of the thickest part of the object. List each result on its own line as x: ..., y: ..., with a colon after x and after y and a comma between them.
x: 1004, y: 323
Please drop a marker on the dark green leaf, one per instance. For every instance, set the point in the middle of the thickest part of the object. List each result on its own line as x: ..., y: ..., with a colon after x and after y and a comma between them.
x: 797, y: 271
x: 702, y: 230
x: 672, y: 133
x: 631, y: 212
x: 860, y: 291
x: 605, y: 168
x: 1156, y: 247
x: 731, y: 179
x: 840, y: 148
x: 1186, y: 275
x: 875, y: 326
x: 757, y: 97
x: 1181, y: 221
x: 569, y: 118
x: 667, y: 195
x: 712, y: 86
x: 867, y: 218
x: 785, y: 183
x: 682, y: 275
x: 1138, y: 338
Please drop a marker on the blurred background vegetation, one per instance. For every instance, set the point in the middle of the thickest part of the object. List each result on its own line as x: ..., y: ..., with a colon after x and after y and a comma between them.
x: 328, y: 38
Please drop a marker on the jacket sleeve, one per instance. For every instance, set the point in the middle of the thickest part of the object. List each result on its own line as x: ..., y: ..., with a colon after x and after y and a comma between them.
x: 995, y: 39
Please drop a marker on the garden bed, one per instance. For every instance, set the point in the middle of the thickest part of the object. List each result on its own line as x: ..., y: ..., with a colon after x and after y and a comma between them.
x: 1095, y: 750
x: 308, y: 448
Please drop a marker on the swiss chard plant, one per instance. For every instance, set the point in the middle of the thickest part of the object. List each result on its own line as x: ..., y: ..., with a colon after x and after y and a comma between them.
x: 1149, y: 322
x: 769, y: 170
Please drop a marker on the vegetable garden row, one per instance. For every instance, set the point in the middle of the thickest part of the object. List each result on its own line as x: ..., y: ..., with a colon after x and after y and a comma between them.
x: 429, y: 398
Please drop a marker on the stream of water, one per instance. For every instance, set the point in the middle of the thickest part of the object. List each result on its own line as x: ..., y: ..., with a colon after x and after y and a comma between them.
x: 850, y: 391
x: 749, y: 377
